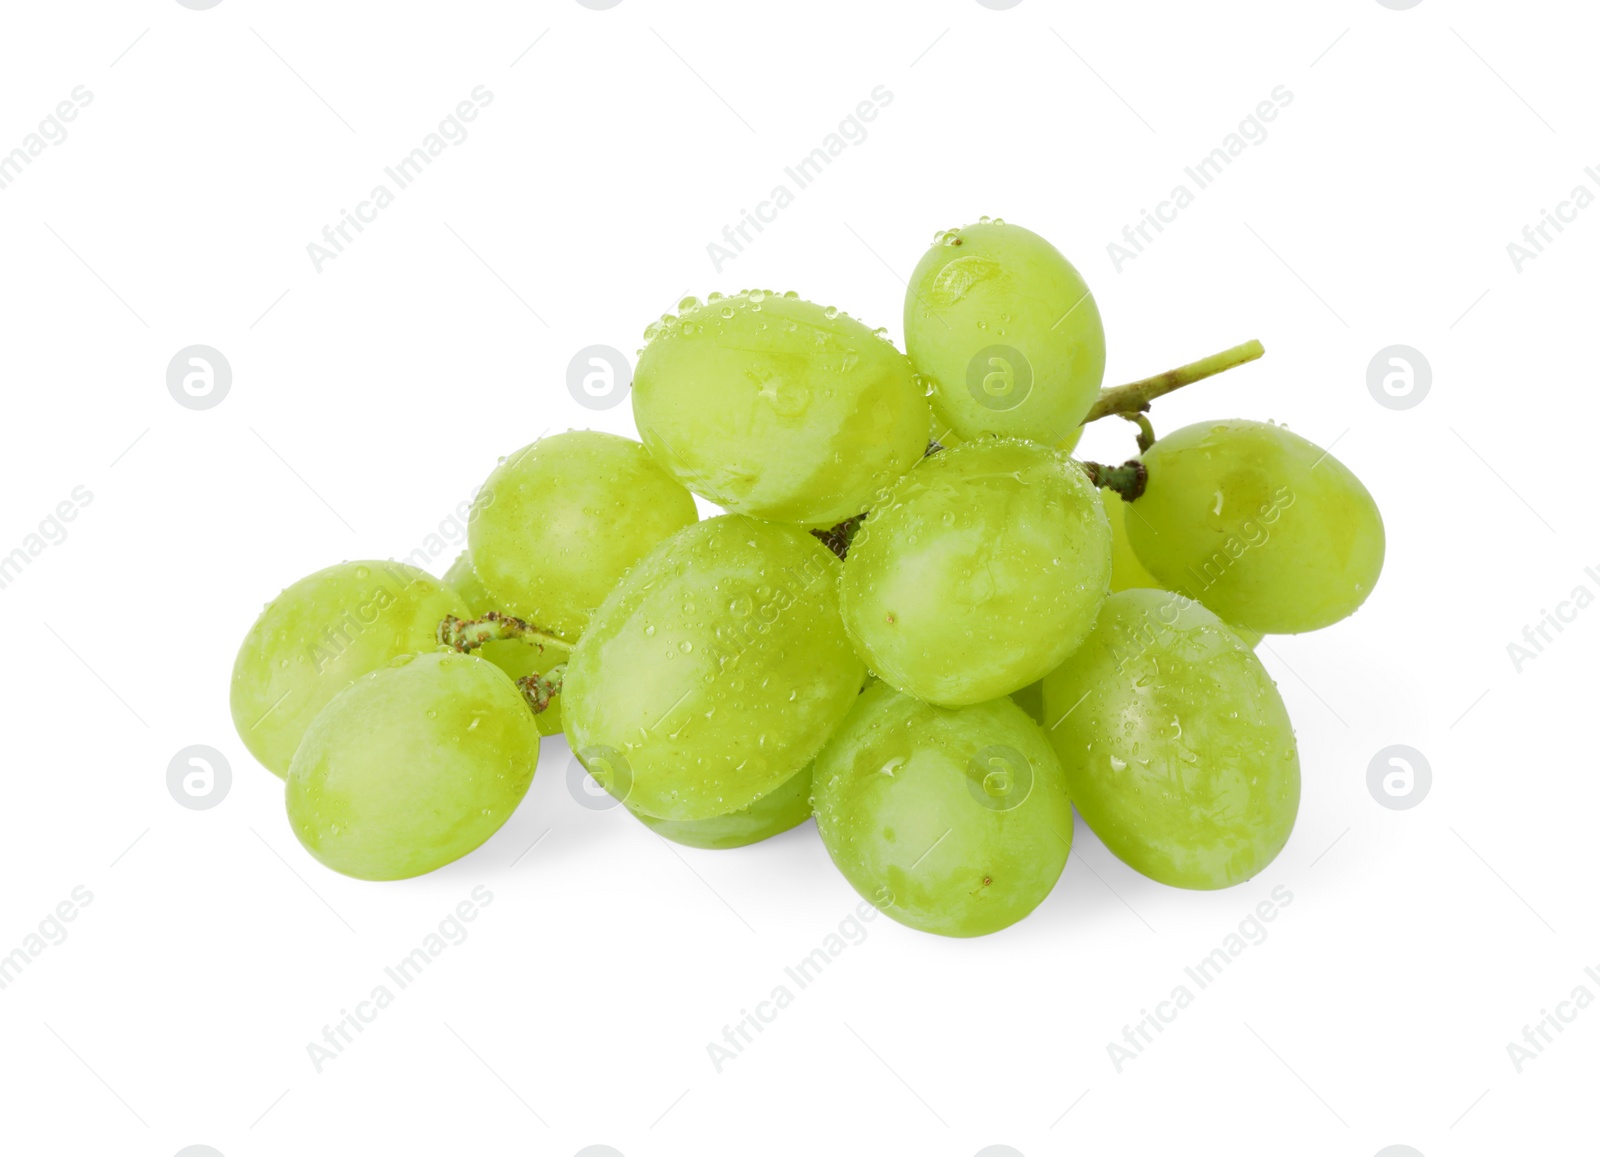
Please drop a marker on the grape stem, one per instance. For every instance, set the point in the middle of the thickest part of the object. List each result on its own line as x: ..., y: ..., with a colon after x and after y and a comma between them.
x: 539, y: 689
x: 1135, y: 397
x: 1127, y: 480
x: 467, y: 635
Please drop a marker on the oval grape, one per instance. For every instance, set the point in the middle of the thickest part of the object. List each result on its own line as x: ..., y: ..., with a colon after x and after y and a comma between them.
x: 979, y: 573
x: 1006, y: 332
x: 412, y: 767
x: 956, y: 822
x: 1270, y: 532
x: 1178, y: 750
x: 774, y: 407
x: 715, y: 670
x: 561, y: 520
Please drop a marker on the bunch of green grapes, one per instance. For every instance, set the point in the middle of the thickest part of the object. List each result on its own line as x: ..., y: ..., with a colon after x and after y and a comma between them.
x: 921, y: 620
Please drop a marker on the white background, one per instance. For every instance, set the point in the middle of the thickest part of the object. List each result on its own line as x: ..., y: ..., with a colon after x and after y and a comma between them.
x: 369, y: 399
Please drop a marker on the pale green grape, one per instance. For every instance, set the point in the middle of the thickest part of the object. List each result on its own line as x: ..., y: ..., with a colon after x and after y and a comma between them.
x: 412, y: 767
x: 786, y: 806
x: 778, y: 408
x: 1258, y: 524
x: 515, y: 657
x: 951, y: 821
x: 1128, y: 573
x: 1006, y: 331
x: 560, y: 521
x: 979, y: 573
x: 322, y: 634
x: 1176, y: 745
x: 714, y: 671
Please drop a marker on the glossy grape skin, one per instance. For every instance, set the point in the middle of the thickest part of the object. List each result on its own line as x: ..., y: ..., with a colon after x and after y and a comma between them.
x: 786, y: 806
x: 561, y: 520
x: 979, y: 573
x: 320, y: 635
x: 513, y: 656
x: 996, y: 285
x: 1128, y: 573
x: 1178, y: 750
x: 774, y: 407
x: 412, y: 767
x: 1270, y: 532
x: 956, y: 822
x: 715, y: 670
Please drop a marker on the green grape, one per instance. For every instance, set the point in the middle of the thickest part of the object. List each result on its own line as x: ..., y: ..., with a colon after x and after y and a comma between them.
x: 714, y: 671
x: 979, y: 573
x: 778, y: 408
x: 322, y: 634
x: 513, y: 656
x: 951, y: 821
x: 1128, y: 573
x: 787, y: 806
x: 1176, y: 745
x: 412, y: 767
x: 1270, y: 532
x: 1007, y: 333
x: 560, y: 521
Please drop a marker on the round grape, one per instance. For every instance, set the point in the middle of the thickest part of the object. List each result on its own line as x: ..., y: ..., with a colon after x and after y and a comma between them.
x: 952, y: 821
x: 412, y: 767
x: 1270, y: 532
x: 980, y: 572
x: 778, y: 408
x: 322, y: 634
x: 1007, y: 334
x: 560, y: 521
x: 1176, y: 745
x: 714, y: 671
